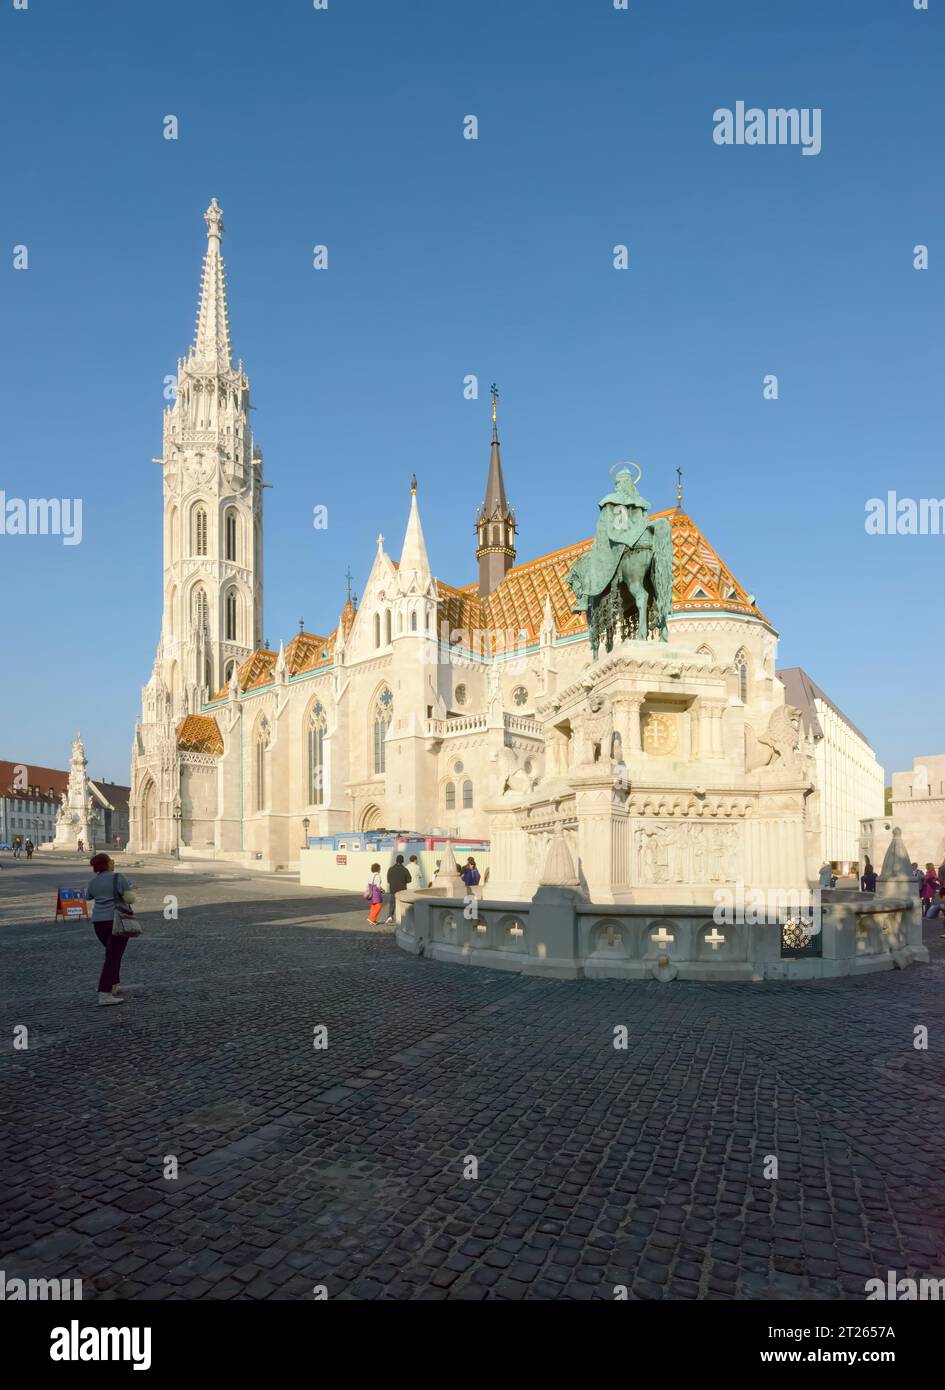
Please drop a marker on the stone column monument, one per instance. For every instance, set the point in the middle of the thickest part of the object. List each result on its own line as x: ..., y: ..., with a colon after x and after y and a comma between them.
x: 76, y: 819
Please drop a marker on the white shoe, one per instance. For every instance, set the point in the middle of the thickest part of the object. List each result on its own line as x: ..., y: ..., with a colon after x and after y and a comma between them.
x: 110, y: 999
x: 388, y: 922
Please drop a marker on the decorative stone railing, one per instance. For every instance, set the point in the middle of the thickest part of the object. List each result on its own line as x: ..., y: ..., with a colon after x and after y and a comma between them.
x: 473, y: 723
x: 561, y: 935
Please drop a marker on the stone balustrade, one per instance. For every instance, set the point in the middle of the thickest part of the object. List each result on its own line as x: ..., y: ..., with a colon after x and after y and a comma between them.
x: 561, y: 935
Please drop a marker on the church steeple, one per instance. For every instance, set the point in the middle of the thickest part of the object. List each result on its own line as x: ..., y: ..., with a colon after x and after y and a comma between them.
x: 495, y: 524
x: 211, y: 350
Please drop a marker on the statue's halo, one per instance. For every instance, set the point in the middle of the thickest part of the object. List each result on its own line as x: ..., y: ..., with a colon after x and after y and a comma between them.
x: 628, y: 464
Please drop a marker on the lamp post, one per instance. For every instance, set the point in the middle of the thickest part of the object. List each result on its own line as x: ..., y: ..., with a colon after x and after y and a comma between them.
x: 305, y: 825
x: 177, y: 813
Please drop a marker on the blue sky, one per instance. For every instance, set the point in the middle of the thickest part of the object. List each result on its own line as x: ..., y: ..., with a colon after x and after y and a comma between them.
x: 493, y: 257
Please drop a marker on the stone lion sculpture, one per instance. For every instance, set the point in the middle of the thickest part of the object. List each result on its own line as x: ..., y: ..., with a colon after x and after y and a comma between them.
x: 780, y: 744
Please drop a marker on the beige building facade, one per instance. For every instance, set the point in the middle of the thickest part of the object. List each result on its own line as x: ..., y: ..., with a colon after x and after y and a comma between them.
x: 918, y: 809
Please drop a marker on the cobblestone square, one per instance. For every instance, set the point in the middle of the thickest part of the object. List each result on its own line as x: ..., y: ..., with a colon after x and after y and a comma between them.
x: 344, y: 1166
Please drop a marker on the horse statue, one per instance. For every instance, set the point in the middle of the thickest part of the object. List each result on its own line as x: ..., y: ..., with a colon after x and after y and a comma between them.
x: 624, y: 583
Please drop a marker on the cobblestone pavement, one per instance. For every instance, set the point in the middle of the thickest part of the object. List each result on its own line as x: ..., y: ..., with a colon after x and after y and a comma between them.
x: 343, y: 1166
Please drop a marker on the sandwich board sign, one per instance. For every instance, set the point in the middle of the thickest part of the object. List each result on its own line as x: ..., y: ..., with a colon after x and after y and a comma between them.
x: 71, y: 902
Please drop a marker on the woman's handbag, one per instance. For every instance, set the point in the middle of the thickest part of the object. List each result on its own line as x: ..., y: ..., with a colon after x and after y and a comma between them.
x: 124, y: 921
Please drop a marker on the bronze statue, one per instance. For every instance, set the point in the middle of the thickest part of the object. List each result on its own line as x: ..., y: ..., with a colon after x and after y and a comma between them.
x: 624, y: 583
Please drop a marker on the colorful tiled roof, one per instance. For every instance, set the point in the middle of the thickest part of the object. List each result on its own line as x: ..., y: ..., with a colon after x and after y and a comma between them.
x: 701, y: 583
x: 199, y: 733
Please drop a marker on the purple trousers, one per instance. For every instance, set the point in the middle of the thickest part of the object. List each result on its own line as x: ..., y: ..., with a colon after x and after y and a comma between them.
x: 114, y: 950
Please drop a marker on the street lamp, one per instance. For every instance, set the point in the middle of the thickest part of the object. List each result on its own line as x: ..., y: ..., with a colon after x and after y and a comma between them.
x: 177, y: 813
x: 305, y: 825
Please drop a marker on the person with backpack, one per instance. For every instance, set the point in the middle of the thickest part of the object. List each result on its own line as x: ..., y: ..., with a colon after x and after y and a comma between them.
x: 374, y: 893
x: 398, y: 876
x: 105, y: 887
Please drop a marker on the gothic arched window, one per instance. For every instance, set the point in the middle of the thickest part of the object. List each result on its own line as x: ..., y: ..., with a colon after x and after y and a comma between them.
x: 741, y: 667
x: 450, y: 798
x: 383, y: 712
x: 231, y: 616
x: 199, y: 607
x: 413, y: 622
x: 200, y: 531
x: 317, y: 725
x: 467, y: 795
x: 229, y: 532
x: 377, y: 629
x: 260, y: 780
x: 387, y: 633
x: 208, y: 677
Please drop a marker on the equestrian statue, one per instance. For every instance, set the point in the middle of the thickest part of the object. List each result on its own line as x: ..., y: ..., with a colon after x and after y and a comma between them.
x: 624, y: 583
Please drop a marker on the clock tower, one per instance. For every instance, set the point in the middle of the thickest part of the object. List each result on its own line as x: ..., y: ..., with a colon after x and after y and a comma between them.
x: 212, y: 507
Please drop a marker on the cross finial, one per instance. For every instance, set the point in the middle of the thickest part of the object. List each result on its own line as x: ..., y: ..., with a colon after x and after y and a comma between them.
x: 301, y: 625
x: 348, y: 577
x: 679, y: 489
x: 494, y: 393
x: 413, y: 484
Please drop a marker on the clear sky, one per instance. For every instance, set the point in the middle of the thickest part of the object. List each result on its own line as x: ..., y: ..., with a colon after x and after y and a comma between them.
x: 450, y: 256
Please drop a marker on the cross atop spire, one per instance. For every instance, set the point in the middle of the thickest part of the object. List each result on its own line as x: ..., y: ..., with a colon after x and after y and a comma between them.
x: 211, y: 350
x: 679, y: 489
x: 494, y: 393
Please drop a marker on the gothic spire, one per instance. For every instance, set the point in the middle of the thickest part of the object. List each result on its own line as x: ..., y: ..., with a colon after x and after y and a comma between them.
x: 414, y: 568
x: 211, y: 350
x: 495, y: 524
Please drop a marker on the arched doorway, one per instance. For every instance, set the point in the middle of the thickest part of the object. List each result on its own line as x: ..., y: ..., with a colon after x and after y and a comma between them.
x: 370, y: 818
x: 148, y: 815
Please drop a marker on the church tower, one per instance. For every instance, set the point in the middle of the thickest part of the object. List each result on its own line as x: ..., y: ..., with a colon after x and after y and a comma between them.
x: 495, y: 524
x: 212, y: 574
x: 212, y: 506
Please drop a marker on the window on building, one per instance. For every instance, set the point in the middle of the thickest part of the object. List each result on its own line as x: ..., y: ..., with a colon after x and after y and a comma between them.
x: 382, y: 714
x: 377, y: 629
x: 260, y: 774
x: 450, y: 798
x: 231, y: 616
x: 467, y: 795
x: 413, y: 622
x: 200, y: 610
x: 741, y: 668
x: 230, y: 534
x: 200, y: 531
x: 387, y: 628
x: 317, y: 726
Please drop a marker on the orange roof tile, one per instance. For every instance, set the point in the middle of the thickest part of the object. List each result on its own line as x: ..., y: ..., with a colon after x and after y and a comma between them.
x: 199, y: 733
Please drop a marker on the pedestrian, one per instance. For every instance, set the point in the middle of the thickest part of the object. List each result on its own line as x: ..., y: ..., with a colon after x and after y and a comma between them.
x: 941, y: 879
x: 868, y: 880
x: 103, y: 887
x: 917, y: 873
x: 16, y: 849
x: 929, y: 889
x: 29, y: 847
x: 81, y: 849
x: 374, y: 893
x: 471, y: 874
x: 398, y: 876
x: 826, y: 874
x: 414, y: 868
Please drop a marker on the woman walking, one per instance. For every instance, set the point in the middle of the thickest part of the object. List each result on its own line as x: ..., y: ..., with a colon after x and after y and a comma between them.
x: 374, y: 893
x: 103, y: 887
